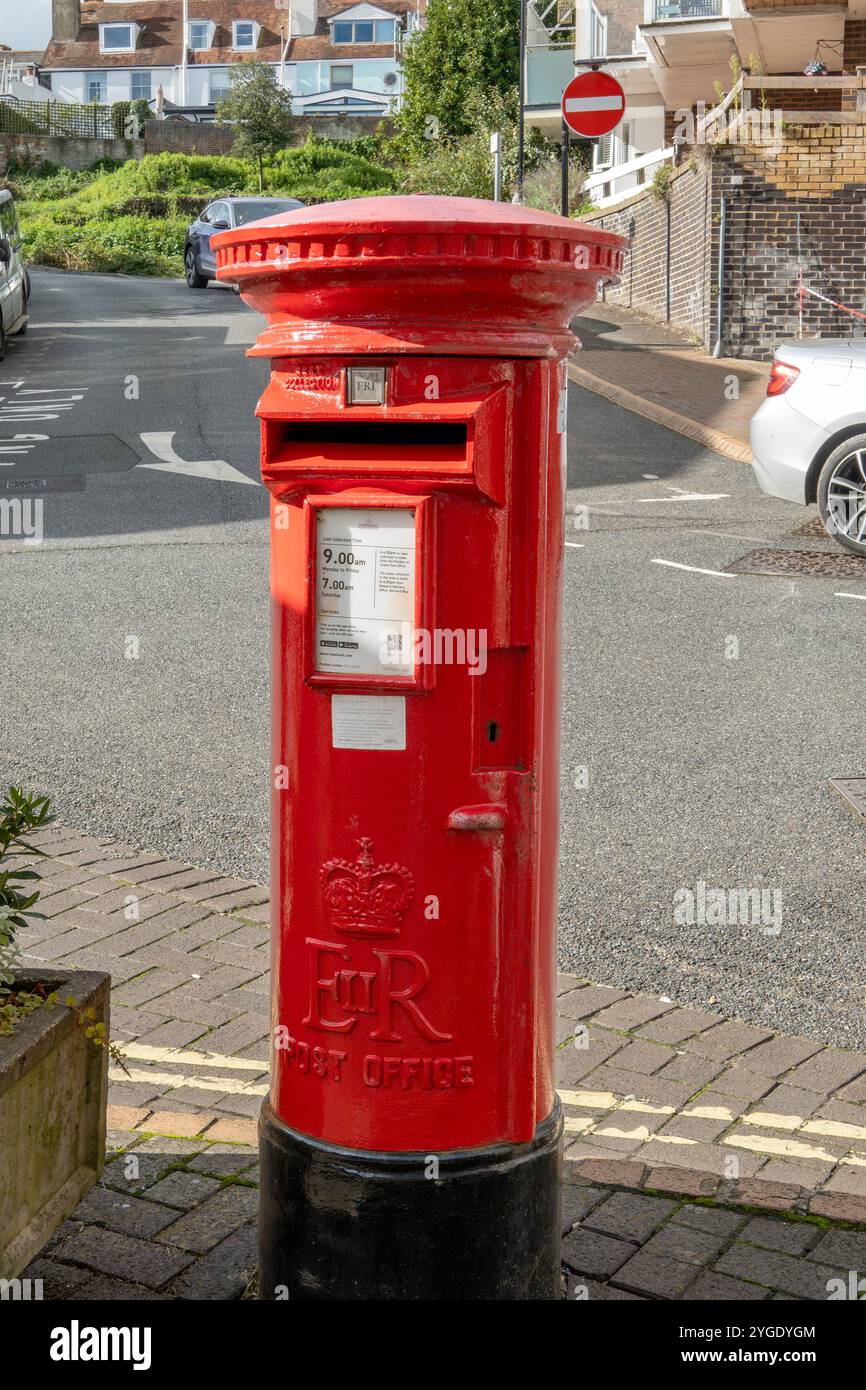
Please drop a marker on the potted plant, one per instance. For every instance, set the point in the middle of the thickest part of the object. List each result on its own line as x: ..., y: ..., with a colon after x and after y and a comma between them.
x: 53, y: 1061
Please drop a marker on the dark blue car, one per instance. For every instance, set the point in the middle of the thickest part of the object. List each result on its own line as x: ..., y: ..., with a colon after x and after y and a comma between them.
x: 199, y: 259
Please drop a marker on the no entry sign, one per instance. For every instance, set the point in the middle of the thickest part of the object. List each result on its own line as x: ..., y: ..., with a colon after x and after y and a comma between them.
x: 593, y: 104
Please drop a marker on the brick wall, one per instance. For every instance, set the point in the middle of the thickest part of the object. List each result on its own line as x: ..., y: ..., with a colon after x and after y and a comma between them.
x: 623, y: 17
x: 854, y: 48
x: 814, y: 184
x: 667, y: 272
x: 187, y: 137
x: 69, y: 153
x: 803, y: 99
x: 191, y: 137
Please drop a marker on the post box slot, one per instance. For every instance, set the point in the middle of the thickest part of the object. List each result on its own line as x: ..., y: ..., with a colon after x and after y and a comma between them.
x: 372, y: 444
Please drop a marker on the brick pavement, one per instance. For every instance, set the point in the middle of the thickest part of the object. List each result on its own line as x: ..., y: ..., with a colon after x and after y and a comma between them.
x: 658, y: 373
x: 684, y: 1117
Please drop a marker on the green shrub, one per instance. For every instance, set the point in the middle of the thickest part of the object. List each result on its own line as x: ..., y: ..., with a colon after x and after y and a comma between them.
x: 127, y: 245
x: 132, y: 218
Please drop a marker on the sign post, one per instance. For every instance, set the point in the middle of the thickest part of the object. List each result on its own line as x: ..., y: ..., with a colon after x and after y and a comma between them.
x: 593, y: 104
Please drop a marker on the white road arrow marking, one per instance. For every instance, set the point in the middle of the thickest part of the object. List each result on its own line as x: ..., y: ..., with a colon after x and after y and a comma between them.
x: 160, y: 445
x: 680, y: 495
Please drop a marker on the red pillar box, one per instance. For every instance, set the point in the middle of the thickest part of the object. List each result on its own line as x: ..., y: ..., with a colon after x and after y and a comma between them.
x: 413, y: 445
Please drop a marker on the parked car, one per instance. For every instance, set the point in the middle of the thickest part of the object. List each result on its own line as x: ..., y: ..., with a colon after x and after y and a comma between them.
x: 14, y: 280
x: 224, y: 213
x: 809, y: 436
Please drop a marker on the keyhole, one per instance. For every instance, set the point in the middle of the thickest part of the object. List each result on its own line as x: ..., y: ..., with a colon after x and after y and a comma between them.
x: 492, y: 731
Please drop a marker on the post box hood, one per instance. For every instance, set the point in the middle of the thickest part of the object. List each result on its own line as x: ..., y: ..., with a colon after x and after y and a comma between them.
x: 397, y: 273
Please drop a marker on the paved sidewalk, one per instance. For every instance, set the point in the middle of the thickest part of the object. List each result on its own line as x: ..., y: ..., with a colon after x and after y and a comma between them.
x: 677, y: 1120
x: 658, y: 373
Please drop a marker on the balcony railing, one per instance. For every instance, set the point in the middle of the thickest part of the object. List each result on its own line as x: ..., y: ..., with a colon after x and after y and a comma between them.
x: 687, y: 9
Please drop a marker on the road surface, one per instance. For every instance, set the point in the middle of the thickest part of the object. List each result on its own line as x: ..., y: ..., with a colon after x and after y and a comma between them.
x: 702, y: 714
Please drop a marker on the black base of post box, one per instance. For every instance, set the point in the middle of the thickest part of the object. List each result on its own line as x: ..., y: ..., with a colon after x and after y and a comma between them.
x: 351, y: 1224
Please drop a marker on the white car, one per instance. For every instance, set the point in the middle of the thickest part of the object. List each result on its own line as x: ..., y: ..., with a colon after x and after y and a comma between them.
x: 809, y: 436
x: 14, y: 280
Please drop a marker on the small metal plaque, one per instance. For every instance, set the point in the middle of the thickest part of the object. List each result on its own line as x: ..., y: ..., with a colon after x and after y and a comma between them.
x: 366, y: 385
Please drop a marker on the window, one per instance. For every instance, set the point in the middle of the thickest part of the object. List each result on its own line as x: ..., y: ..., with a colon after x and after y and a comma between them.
x: 9, y: 224
x: 141, y: 86
x: 362, y: 31
x: 597, y: 33
x: 116, y: 38
x: 220, y: 86
x: 95, y: 86
x: 603, y: 152
x: 342, y: 77
x: 199, y: 34
x: 244, y: 33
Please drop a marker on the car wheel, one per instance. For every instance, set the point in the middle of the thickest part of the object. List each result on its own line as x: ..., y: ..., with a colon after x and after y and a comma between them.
x: 842, y: 494
x: 28, y: 286
x: 2, y: 341
x: 194, y: 277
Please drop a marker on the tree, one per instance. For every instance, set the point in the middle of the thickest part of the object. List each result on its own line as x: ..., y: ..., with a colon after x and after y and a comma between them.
x: 465, y: 52
x: 259, y: 110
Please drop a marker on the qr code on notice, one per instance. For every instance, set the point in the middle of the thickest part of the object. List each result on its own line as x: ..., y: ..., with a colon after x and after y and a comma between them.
x: 393, y: 646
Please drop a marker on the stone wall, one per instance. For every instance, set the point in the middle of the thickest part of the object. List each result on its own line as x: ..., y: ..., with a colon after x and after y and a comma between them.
x: 192, y: 137
x: 68, y: 152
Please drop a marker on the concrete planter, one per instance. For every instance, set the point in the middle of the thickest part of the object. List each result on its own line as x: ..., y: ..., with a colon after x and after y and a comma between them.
x: 53, y: 1093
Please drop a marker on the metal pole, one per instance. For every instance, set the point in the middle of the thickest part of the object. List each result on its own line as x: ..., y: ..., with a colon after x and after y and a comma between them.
x: 496, y: 151
x: 521, y: 98
x: 184, y: 59
x: 563, y: 172
x: 720, y: 304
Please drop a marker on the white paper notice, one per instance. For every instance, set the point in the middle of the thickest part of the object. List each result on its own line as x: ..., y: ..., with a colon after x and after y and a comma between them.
x: 365, y: 590
x: 368, y: 721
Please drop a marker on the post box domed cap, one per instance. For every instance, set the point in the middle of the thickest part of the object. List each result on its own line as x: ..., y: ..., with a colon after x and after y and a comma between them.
x: 408, y: 273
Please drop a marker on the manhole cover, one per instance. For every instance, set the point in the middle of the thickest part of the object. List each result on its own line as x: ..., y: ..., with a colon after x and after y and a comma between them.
x: 853, y: 791
x: 811, y: 564
x: 815, y: 527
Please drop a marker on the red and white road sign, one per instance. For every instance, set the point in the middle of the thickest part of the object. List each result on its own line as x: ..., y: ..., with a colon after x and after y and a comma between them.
x: 593, y: 104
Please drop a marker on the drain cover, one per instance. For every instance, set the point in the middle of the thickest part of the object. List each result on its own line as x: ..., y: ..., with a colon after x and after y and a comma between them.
x: 815, y: 527
x: 810, y: 564
x: 853, y: 791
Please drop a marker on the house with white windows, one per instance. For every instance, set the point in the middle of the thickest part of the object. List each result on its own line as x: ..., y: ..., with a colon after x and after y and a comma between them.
x: 673, y: 56
x: 335, y: 58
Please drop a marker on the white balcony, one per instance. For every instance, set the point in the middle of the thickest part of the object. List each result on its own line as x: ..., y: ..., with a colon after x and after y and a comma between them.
x: 689, y: 46
x: 609, y: 186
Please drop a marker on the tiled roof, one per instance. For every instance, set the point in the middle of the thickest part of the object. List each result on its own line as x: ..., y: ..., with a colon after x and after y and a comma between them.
x: 159, y: 45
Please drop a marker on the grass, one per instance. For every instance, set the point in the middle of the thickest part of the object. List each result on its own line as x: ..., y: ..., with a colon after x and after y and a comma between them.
x: 132, y: 218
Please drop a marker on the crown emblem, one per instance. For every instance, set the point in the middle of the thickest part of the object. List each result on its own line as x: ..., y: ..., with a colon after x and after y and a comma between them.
x: 366, y: 899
